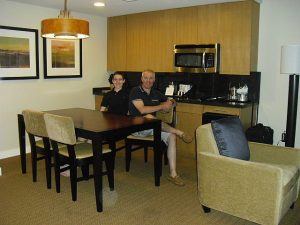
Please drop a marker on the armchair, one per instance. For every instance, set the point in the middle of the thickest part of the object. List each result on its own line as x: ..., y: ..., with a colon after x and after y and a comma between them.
x: 260, y: 190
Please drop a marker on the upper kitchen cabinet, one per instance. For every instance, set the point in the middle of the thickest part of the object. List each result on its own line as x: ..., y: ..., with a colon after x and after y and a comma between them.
x: 150, y: 38
x: 146, y: 40
x: 208, y: 24
x: 238, y: 37
x: 186, y: 25
x: 116, y: 43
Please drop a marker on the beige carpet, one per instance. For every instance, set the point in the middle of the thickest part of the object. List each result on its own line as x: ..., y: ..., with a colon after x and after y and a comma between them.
x: 135, y: 201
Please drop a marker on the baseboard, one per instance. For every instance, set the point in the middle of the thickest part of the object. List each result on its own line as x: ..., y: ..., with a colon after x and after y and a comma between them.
x: 12, y: 152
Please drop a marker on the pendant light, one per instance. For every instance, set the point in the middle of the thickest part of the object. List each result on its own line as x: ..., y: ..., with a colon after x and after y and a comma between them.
x: 65, y: 27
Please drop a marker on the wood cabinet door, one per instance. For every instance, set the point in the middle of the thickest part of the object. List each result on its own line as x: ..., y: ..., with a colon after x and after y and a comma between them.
x: 209, y: 24
x: 235, y: 37
x: 246, y: 114
x: 116, y: 43
x: 221, y: 110
x: 188, y: 119
x: 186, y: 25
x: 150, y: 40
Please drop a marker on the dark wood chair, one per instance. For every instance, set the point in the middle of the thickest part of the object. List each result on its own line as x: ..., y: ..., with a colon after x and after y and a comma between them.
x: 61, y: 130
x: 134, y: 143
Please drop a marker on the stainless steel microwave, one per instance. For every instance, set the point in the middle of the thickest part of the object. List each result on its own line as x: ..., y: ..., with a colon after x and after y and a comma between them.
x: 197, y: 58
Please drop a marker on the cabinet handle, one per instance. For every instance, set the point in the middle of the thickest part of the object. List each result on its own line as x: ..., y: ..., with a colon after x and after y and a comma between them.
x: 221, y: 111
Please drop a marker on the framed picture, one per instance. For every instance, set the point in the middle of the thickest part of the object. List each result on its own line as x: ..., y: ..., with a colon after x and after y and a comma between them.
x: 19, y: 53
x: 62, y: 58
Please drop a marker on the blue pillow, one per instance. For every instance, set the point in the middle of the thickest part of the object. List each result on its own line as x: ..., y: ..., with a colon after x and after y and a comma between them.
x: 230, y: 138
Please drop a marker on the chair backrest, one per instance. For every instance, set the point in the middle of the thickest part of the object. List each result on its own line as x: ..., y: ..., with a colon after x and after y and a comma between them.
x: 205, y: 139
x: 60, y: 129
x: 167, y: 117
x: 35, y: 123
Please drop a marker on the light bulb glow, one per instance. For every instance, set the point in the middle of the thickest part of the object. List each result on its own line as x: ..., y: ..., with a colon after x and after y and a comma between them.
x: 99, y: 4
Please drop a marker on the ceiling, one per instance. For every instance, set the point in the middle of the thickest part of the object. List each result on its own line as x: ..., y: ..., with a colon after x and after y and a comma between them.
x: 118, y: 7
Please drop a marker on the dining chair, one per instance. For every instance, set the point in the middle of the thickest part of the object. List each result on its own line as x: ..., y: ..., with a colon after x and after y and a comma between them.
x: 134, y: 143
x: 39, y: 142
x: 61, y: 130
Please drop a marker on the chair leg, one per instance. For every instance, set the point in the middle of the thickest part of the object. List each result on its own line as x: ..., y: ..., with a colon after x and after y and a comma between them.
x: 33, y: 157
x: 205, y: 209
x: 47, y: 161
x: 48, y: 169
x: 34, y: 165
x: 73, y: 178
x: 85, y: 171
x: 166, y: 157
x: 56, y: 170
x: 109, y: 163
x: 146, y: 154
x: 292, y: 206
x: 127, y: 156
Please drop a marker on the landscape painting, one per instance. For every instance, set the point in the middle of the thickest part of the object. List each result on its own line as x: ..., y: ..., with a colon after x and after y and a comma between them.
x: 18, y: 53
x: 62, y: 58
x: 14, y: 52
x: 63, y: 54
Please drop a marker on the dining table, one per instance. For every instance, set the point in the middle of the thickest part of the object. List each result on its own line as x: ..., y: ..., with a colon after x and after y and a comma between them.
x: 100, y: 126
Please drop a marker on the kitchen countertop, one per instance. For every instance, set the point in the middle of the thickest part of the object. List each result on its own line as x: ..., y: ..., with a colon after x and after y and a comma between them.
x: 214, y: 102
x: 100, y: 90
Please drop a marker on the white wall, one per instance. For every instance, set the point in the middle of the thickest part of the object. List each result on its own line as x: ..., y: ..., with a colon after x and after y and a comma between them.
x: 279, y: 25
x: 44, y: 94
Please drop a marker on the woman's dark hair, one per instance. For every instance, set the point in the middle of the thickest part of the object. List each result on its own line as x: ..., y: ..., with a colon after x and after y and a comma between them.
x: 111, y: 76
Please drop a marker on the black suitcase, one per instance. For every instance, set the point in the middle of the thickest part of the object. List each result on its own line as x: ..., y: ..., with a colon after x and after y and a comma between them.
x: 260, y: 133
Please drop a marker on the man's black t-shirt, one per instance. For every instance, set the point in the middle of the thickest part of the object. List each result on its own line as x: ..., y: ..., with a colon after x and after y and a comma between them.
x: 137, y: 93
x: 116, y: 102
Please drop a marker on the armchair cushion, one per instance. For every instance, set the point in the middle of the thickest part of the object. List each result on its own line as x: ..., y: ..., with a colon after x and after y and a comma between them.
x: 230, y: 138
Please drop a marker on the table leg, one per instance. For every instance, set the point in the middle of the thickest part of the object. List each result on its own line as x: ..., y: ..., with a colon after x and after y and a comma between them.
x: 97, y: 165
x: 157, y: 154
x: 21, y: 128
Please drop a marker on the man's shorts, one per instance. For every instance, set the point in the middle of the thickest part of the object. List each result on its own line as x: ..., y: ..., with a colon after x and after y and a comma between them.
x: 144, y: 133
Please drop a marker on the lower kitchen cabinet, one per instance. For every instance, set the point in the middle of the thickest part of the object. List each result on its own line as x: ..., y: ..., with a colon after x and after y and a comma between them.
x: 245, y: 113
x: 189, y: 118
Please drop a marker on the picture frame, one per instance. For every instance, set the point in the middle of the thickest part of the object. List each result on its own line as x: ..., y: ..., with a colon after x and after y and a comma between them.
x: 62, y: 58
x: 19, y: 53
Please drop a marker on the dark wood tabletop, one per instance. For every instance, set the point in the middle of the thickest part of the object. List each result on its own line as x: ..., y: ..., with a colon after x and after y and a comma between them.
x: 97, y: 126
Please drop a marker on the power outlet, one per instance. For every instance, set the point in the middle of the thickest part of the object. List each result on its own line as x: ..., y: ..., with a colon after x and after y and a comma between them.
x: 283, y: 137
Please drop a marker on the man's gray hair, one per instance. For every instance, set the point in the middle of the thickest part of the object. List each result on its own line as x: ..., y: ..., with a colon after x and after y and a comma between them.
x: 148, y: 71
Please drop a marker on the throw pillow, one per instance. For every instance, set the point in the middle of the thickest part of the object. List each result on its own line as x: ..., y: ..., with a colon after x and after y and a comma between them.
x: 230, y: 138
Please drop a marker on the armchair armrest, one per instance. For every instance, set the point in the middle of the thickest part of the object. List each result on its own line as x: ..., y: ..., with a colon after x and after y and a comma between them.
x: 241, y: 188
x: 274, y: 154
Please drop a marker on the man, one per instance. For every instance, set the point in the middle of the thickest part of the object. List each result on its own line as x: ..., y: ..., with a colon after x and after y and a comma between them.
x: 145, y: 100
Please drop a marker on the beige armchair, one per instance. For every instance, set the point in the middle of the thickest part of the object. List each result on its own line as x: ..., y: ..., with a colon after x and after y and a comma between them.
x: 260, y: 190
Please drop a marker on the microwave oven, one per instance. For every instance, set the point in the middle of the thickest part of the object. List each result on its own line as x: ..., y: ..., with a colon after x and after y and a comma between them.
x: 197, y: 58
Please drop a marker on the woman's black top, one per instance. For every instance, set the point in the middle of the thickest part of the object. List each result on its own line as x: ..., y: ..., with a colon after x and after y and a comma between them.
x: 116, y: 102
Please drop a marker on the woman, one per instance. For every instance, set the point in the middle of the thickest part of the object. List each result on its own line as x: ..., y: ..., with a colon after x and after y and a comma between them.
x: 116, y: 100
